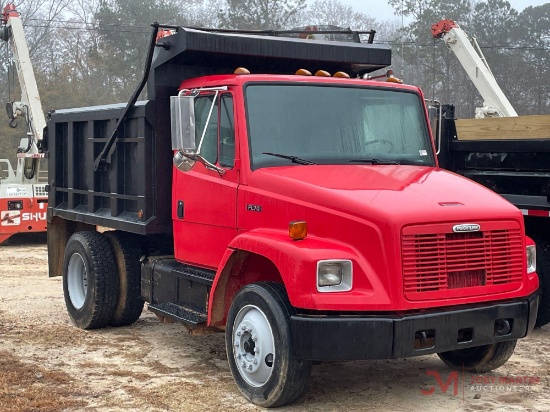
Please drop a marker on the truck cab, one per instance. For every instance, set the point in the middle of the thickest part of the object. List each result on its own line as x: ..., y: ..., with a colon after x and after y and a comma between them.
x: 302, y: 213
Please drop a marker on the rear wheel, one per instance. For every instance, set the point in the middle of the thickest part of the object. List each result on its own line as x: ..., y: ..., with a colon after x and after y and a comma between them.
x: 90, y: 280
x: 259, y: 346
x: 480, y: 359
x: 127, y: 254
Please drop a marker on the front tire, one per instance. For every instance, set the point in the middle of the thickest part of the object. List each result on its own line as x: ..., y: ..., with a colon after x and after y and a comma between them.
x: 90, y: 280
x: 259, y: 346
x: 479, y: 359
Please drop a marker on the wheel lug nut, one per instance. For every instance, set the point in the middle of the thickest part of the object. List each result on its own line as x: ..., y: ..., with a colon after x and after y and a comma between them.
x: 243, y: 364
x: 243, y: 327
x: 250, y: 367
x: 236, y: 344
x: 238, y: 333
x: 255, y: 361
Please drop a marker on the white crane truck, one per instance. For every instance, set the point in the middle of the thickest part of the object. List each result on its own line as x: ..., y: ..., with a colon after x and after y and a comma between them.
x: 23, y: 196
x: 507, y: 153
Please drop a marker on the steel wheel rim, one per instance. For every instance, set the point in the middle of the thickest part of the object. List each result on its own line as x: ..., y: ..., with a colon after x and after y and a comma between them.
x: 77, y: 280
x: 253, y: 346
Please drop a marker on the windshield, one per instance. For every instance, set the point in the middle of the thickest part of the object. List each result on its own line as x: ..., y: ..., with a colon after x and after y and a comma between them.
x: 321, y: 124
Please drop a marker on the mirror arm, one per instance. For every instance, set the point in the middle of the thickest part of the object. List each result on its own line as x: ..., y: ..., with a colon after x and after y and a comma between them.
x: 185, y: 162
x: 209, y: 165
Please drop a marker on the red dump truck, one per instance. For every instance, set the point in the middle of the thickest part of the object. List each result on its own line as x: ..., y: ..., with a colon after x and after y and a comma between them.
x: 304, y: 215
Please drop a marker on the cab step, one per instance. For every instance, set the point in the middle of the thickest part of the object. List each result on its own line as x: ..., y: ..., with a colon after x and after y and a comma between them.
x: 178, y: 313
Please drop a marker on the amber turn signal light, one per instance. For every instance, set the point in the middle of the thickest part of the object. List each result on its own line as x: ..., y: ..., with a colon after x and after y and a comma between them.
x: 303, y: 72
x: 297, y: 229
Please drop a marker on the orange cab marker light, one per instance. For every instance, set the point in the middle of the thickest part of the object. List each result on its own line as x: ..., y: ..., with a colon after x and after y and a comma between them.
x: 342, y: 75
x: 303, y: 72
x: 297, y: 229
x: 322, y: 73
x: 241, y: 70
x: 391, y: 78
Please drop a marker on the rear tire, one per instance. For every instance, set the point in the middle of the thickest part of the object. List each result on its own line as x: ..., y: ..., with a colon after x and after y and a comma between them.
x: 90, y: 280
x: 479, y: 359
x: 259, y: 346
x: 127, y: 254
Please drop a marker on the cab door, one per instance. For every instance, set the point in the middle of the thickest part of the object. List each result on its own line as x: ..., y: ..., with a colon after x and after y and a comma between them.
x: 204, y: 202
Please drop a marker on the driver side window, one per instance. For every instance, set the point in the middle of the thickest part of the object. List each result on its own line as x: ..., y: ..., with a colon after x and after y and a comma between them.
x: 218, y: 145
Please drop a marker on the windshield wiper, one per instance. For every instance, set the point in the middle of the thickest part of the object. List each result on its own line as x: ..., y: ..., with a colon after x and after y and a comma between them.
x: 374, y: 161
x: 293, y: 159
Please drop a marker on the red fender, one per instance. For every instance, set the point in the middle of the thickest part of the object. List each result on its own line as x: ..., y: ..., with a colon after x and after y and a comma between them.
x: 296, y: 263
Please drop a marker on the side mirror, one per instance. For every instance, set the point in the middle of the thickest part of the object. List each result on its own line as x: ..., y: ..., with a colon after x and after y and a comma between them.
x: 435, y: 119
x: 182, y: 116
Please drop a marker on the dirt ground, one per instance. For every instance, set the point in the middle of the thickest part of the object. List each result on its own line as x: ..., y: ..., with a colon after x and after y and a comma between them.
x: 46, y: 364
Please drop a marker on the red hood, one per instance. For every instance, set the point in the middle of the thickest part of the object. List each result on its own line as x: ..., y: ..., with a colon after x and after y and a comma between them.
x: 395, y: 193
x: 363, y: 209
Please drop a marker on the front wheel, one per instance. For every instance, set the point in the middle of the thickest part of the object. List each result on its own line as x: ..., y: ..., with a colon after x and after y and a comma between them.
x: 480, y: 359
x: 259, y: 346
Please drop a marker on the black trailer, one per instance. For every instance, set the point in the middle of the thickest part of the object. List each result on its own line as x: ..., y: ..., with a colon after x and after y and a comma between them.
x: 519, y: 170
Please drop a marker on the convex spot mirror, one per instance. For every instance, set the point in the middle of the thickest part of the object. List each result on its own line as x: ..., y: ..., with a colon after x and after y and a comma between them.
x: 182, y: 115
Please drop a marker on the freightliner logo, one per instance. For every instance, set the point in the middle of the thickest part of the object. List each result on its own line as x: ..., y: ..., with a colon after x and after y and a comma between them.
x: 466, y: 227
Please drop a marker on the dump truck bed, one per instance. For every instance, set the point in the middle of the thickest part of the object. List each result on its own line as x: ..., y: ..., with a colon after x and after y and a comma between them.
x: 122, y: 195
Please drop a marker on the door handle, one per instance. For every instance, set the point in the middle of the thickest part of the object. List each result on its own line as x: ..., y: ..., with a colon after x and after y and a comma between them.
x: 180, y: 209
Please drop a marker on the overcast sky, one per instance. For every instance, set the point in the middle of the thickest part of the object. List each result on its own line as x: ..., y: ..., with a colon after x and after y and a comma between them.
x: 381, y: 10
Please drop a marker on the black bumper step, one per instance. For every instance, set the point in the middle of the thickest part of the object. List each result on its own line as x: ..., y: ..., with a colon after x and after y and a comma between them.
x: 178, y: 313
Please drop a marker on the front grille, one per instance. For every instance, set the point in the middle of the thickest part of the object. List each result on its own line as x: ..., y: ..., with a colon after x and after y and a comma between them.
x: 443, y: 261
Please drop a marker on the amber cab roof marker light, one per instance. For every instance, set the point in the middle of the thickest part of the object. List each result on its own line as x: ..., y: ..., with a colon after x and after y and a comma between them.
x: 322, y: 73
x: 391, y: 78
x: 388, y: 77
x: 241, y: 70
x: 342, y: 75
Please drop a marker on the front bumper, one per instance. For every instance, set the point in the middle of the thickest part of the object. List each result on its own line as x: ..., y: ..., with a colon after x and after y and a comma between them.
x: 348, y: 337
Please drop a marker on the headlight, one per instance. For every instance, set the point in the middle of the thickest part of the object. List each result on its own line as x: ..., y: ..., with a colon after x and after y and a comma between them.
x: 531, y: 259
x: 334, y: 275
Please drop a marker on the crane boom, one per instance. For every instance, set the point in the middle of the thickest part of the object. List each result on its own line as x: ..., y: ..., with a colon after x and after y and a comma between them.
x: 495, y: 103
x: 29, y: 90
x: 23, y: 196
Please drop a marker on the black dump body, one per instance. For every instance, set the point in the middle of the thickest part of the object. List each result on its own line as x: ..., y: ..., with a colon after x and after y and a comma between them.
x: 132, y: 192
x: 517, y: 169
x: 123, y: 195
